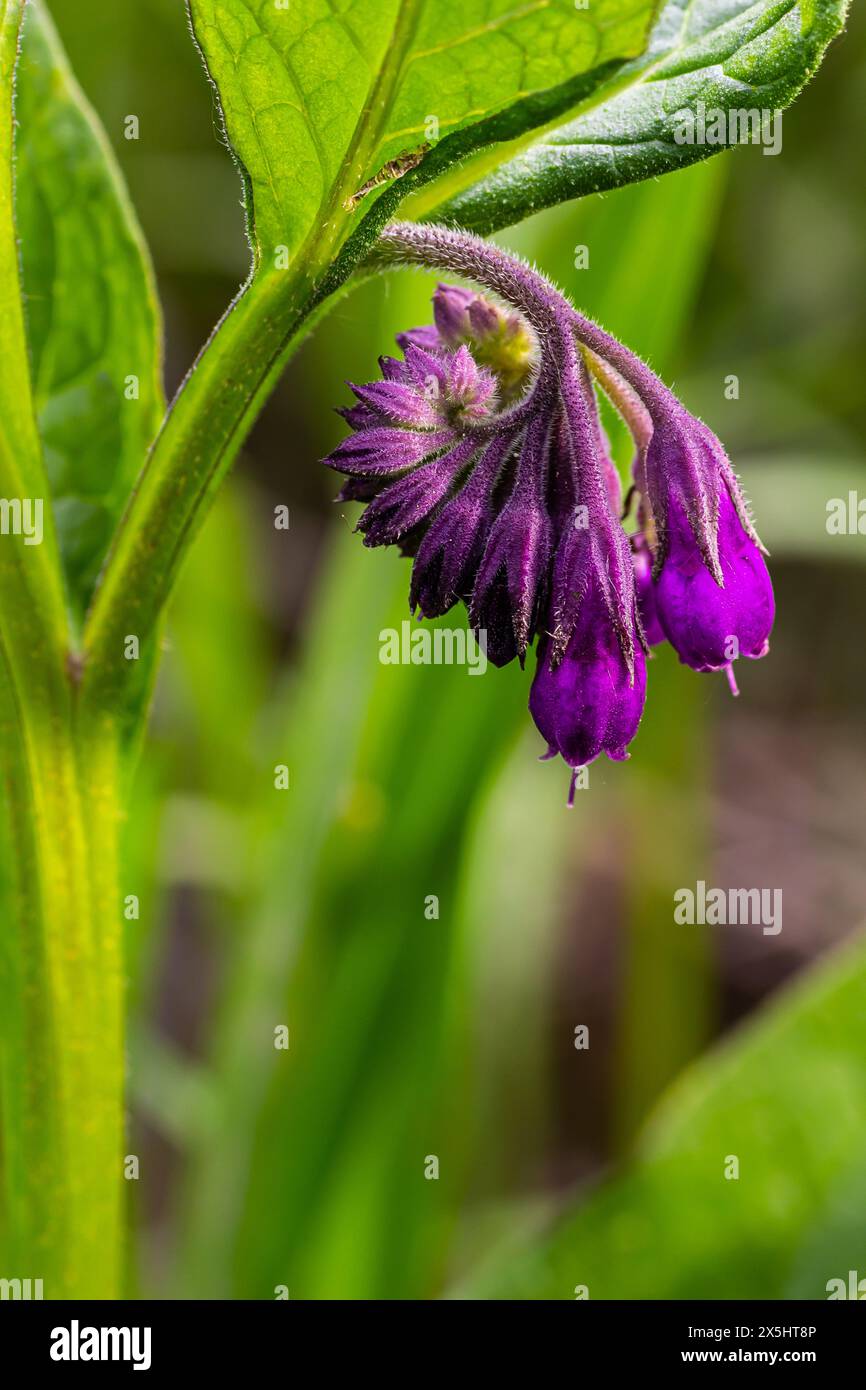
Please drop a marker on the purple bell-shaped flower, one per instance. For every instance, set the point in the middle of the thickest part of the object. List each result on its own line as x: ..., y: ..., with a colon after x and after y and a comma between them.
x: 482, y: 455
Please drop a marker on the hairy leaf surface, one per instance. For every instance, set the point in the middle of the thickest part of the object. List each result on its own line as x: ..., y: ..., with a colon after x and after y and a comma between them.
x: 708, y: 66
x: 324, y: 98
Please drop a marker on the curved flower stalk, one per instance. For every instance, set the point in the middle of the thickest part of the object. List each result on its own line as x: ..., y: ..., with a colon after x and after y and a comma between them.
x: 481, y: 455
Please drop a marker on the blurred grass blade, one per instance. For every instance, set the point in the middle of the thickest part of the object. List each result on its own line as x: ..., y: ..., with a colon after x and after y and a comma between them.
x: 794, y: 493
x: 375, y: 1070
x: 786, y: 1097
x: 319, y: 746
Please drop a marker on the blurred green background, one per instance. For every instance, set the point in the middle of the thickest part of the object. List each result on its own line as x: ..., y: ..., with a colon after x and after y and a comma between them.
x: 414, y: 1035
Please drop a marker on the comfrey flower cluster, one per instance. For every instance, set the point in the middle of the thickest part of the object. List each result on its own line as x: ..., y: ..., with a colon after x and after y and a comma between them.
x: 482, y: 455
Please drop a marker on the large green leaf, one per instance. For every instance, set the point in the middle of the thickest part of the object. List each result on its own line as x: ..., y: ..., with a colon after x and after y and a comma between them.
x: 20, y: 462
x: 731, y: 55
x: 787, y: 1098
x: 92, y: 319
x: 318, y: 98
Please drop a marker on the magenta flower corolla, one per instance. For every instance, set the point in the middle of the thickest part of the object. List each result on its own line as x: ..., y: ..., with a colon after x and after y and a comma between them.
x: 482, y: 456
x: 592, y: 700
x: 713, y: 596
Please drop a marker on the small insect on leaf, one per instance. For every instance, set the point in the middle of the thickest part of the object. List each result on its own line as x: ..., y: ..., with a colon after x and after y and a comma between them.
x: 394, y: 169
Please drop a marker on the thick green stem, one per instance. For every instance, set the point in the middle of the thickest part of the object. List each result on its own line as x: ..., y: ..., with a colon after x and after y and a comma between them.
x: 201, y: 435
x: 61, y: 1059
x: 207, y: 423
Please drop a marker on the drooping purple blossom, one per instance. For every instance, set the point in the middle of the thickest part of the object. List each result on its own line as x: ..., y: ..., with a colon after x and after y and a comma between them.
x: 483, y: 457
x: 710, y: 591
x: 711, y: 624
x: 591, y: 701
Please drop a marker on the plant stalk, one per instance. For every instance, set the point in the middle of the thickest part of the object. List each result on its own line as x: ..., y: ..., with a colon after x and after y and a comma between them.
x: 61, y: 1060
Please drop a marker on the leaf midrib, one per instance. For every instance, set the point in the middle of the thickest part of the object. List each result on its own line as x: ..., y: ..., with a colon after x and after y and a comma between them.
x: 330, y: 223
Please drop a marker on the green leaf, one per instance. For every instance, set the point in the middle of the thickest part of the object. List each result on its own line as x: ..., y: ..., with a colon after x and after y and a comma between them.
x: 786, y: 1096
x: 318, y: 99
x: 19, y: 443
x: 733, y: 57
x: 31, y: 597
x: 92, y: 319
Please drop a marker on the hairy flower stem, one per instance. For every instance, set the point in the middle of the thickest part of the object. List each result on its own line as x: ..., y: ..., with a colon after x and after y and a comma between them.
x: 636, y: 391
x: 440, y: 248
